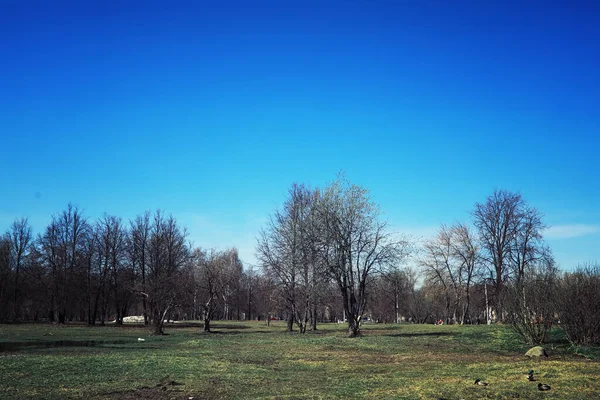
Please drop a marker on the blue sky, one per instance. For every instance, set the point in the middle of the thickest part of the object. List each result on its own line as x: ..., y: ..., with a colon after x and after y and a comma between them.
x: 211, y: 110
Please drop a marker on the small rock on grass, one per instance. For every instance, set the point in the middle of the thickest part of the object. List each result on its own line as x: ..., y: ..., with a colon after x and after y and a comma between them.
x: 537, y: 351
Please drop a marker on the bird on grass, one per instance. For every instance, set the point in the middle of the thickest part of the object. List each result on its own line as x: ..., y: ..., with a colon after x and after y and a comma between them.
x: 480, y: 382
x: 530, y: 376
x: 542, y: 386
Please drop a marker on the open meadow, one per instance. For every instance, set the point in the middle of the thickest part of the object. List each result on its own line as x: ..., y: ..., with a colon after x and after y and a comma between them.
x: 246, y: 360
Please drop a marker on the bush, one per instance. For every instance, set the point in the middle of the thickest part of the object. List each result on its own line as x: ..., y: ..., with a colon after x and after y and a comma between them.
x: 530, y: 304
x: 579, y: 305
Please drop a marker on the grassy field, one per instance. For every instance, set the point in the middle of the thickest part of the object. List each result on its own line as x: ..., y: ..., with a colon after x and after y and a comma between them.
x: 248, y: 360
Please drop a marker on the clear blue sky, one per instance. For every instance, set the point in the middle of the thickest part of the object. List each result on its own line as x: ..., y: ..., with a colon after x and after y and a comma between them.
x: 211, y: 110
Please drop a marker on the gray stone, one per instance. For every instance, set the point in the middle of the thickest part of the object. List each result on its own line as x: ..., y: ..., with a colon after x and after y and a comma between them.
x: 537, y: 351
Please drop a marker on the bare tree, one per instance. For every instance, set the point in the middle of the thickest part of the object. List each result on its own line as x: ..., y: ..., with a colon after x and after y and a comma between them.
x: 466, y: 252
x: 355, y: 245
x: 62, y: 246
x: 215, y: 271
x: 419, y: 306
x: 5, y: 278
x: 138, y: 247
x: 527, y: 249
x: 498, y: 221
x: 120, y: 275
x: 441, y: 270
x: 390, y: 296
x: 234, y: 271
x: 287, y: 250
x: 168, y: 253
x: 104, y: 238
x: 20, y: 241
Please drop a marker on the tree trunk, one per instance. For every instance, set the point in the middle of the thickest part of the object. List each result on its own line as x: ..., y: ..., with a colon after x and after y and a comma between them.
x: 206, y: 324
x: 313, y: 321
x: 158, y: 327
x: 353, y: 327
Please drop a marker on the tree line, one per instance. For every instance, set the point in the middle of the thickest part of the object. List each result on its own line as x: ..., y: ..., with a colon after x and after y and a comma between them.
x: 325, y: 255
x: 104, y: 270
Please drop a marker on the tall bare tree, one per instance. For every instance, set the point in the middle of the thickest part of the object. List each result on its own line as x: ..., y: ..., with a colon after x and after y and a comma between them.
x: 528, y: 249
x: 355, y: 245
x: 498, y: 222
x: 215, y: 271
x: 138, y: 247
x: 441, y: 270
x: 168, y: 253
x: 466, y: 252
x: 5, y: 278
x: 288, y: 252
x: 62, y: 245
x: 511, y: 236
x: 20, y: 241
x: 450, y: 260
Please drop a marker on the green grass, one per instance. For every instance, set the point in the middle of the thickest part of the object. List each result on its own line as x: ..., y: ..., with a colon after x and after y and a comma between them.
x: 250, y: 360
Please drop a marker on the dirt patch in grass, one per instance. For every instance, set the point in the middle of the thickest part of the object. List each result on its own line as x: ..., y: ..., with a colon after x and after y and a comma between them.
x: 165, y: 389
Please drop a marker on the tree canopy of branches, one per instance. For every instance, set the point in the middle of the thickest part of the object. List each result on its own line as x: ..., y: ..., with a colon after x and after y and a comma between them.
x: 449, y: 261
x: 215, y: 271
x: 168, y: 253
x: 288, y: 251
x: 510, y: 233
x: 356, y: 245
x: 339, y: 232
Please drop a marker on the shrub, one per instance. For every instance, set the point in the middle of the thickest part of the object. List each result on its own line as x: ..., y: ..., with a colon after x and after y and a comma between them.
x: 579, y: 305
x: 530, y: 304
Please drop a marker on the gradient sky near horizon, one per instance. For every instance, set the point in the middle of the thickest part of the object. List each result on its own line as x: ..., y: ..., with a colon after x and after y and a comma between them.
x: 211, y: 110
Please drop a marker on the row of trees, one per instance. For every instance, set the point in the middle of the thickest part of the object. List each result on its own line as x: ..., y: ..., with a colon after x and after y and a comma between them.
x: 325, y: 255
x: 499, y: 270
x: 95, y: 271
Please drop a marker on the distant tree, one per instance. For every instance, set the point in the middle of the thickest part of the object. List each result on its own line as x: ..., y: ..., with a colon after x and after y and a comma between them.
x: 168, y: 253
x: 215, y: 271
x: 390, y: 292
x: 265, y: 297
x: 419, y: 306
x: 121, y: 280
x: 5, y: 278
x: 233, y: 276
x: 466, y: 252
x: 20, y: 238
x: 249, y: 283
x: 105, y: 236
x: 138, y: 247
x: 61, y: 248
x: 355, y: 245
x: 450, y: 260
x: 440, y: 270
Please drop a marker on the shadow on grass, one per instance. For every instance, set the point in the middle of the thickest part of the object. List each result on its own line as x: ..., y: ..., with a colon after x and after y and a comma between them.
x: 225, y: 332
x: 421, y: 334
x: 36, y: 345
x: 228, y: 326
